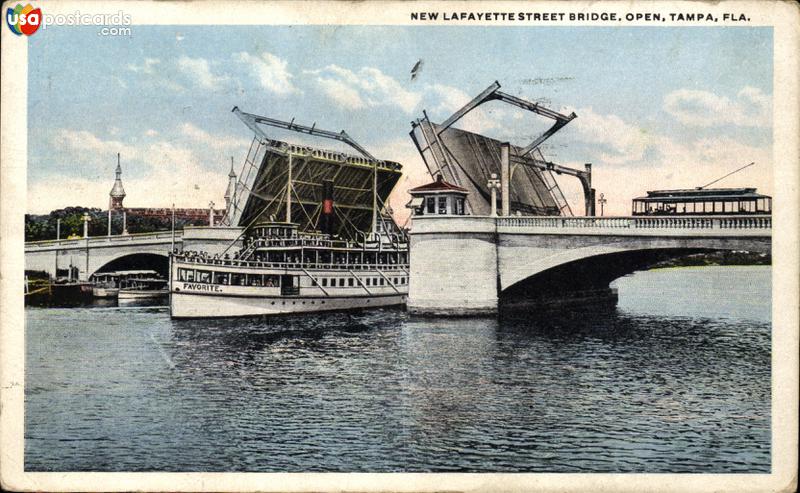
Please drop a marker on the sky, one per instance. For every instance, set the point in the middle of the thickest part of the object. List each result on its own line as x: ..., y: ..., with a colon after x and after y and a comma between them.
x: 657, y: 107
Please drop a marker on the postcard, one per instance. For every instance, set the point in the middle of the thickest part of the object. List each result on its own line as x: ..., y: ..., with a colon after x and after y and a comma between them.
x: 399, y: 246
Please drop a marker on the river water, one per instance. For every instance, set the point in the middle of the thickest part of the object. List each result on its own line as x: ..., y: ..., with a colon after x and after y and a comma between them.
x: 676, y: 378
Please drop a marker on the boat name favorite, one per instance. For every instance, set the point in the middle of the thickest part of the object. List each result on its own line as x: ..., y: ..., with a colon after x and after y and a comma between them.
x: 193, y: 286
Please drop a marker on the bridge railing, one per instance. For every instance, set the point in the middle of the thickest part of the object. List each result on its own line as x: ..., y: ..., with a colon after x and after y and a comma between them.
x: 101, y: 240
x: 641, y: 222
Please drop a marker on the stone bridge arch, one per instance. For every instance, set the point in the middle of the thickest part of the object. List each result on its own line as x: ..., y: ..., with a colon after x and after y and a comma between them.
x: 157, y: 261
x: 594, y: 267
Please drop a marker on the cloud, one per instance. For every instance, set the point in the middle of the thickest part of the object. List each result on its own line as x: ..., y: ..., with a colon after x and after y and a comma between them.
x: 147, y: 66
x: 87, y: 146
x: 150, y: 132
x: 366, y: 88
x: 629, y: 160
x: 174, y: 173
x: 675, y: 165
x: 184, y: 183
x: 216, y: 143
x: 199, y: 70
x: 345, y: 96
x: 618, y: 141
x: 750, y: 108
x: 271, y: 71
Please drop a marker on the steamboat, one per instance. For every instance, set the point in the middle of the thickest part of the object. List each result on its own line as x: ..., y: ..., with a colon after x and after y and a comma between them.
x: 325, y: 255
x: 282, y: 270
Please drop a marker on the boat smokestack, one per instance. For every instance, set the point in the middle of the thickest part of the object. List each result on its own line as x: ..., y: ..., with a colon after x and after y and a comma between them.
x: 326, y: 217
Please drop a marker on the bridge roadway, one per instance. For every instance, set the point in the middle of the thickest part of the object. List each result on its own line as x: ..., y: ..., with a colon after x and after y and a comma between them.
x: 464, y: 265
x: 96, y: 253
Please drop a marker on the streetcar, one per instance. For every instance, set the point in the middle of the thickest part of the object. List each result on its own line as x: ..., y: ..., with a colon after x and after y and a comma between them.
x: 702, y: 201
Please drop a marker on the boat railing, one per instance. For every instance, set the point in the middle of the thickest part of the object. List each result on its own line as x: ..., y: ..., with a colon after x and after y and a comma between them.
x: 317, y: 242
x: 287, y: 265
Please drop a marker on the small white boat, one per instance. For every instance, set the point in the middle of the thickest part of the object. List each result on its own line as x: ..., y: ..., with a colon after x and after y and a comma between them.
x: 105, y: 285
x: 104, y: 292
x: 139, y: 289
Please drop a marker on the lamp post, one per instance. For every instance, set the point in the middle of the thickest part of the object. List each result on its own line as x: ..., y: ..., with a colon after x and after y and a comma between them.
x: 211, y: 214
x: 86, y: 220
x: 602, y: 201
x: 494, y: 185
x: 58, y: 237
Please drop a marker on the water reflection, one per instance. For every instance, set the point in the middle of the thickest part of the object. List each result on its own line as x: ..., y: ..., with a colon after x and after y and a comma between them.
x: 618, y: 389
x: 446, y: 366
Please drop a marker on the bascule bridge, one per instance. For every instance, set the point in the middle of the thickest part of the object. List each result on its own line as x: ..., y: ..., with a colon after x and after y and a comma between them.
x: 476, y: 258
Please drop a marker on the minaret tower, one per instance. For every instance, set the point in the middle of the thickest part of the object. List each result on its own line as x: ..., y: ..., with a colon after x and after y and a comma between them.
x: 230, y: 193
x: 117, y: 193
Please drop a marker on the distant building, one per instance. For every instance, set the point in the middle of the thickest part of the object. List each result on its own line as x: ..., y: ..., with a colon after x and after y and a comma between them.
x: 117, y: 195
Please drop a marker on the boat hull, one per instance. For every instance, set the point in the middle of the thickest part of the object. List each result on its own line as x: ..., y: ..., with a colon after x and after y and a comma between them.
x: 204, y: 305
x: 141, y: 294
x: 98, y: 292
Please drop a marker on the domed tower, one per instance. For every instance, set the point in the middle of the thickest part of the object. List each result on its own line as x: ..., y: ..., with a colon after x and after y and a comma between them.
x: 117, y: 193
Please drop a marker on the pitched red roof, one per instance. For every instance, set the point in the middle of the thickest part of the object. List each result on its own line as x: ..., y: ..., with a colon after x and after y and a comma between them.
x: 439, y: 186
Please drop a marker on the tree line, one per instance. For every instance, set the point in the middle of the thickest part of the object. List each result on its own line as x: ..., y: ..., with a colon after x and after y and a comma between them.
x: 40, y: 227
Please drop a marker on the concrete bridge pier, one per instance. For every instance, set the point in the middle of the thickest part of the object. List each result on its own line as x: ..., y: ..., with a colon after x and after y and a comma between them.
x: 454, y: 272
